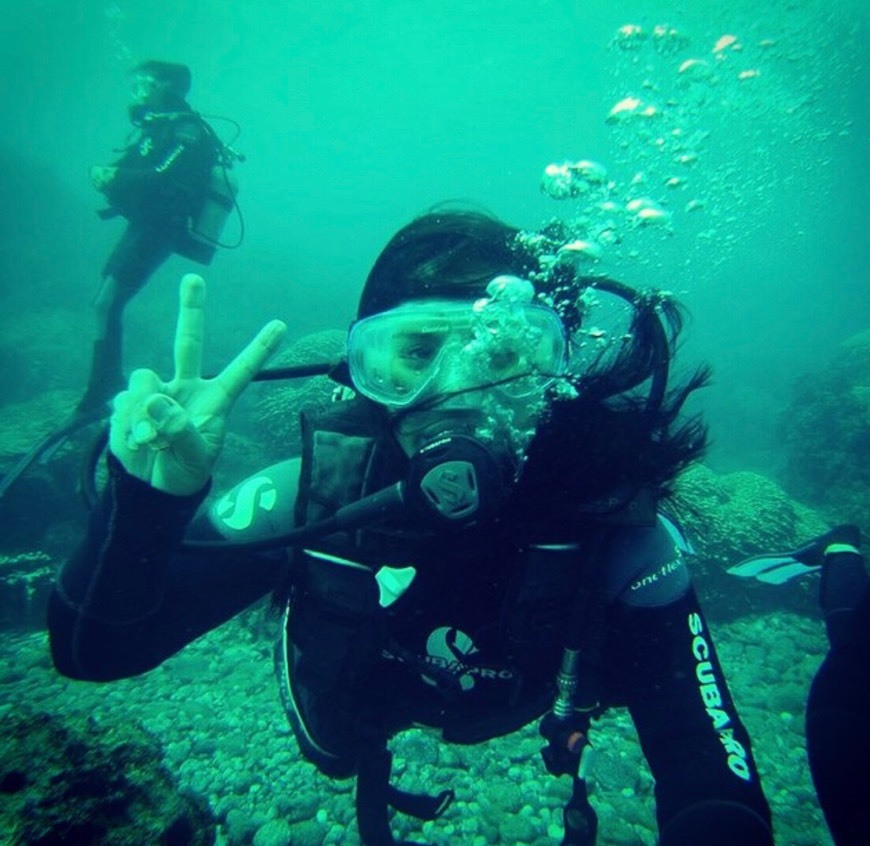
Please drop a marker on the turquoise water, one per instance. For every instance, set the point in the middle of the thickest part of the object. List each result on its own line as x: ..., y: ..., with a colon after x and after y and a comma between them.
x: 357, y: 116
x: 742, y: 128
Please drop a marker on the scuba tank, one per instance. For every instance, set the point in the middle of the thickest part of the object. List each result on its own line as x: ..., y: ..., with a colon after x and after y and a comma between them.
x: 207, y: 223
x: 204, y: 232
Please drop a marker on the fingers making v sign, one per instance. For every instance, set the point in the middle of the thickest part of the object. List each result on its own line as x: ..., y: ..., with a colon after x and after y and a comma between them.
x: 169, y: 434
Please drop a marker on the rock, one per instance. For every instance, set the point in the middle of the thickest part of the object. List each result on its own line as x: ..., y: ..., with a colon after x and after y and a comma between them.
x: 66, y: 783
x: 273, y: 833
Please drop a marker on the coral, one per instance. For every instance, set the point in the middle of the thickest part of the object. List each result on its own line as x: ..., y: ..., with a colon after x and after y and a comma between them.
x: 277, y: 410
x: 826, y: 433
x: 23, y: 424
x: 60, y: 784
x: 274, y: 833
x: 741, y: 514
x: 731, y: 517
x: 25, y: 581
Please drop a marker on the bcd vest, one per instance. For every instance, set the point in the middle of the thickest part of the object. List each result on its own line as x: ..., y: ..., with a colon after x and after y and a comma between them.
x: 394, y: 625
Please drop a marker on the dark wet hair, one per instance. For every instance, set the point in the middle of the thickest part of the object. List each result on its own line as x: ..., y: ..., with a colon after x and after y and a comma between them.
x: 177, y: 76
x: 610, y: 433
x: 444, y: 254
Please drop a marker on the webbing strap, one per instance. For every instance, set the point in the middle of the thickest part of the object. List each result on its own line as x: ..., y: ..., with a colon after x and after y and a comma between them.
x: 372, y: 786
x: 375, y: 795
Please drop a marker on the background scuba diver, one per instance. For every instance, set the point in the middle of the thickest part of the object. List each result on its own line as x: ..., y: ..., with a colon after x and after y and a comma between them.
x: 163, y: 186
x: 837, y: 728
x: 519, y: 539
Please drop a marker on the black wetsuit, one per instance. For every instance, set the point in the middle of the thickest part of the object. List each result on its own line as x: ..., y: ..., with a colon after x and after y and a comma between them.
x: 160, y: 183
x: 477, y: 609
x: 838, y: 708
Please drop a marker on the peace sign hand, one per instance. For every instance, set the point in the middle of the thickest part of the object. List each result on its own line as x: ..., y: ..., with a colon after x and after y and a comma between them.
x: 169, y: 434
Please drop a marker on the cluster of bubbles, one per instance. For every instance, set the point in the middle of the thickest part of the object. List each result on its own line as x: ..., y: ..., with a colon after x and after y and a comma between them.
x: 660, y: 137
x: 115, y: 21
x: 699, y: 125
x: 597, y: 320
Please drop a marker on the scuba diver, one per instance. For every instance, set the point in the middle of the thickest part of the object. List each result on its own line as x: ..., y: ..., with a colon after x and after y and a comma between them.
x: 474, y: 537
x: 172, y: 186
x: 838, y: 737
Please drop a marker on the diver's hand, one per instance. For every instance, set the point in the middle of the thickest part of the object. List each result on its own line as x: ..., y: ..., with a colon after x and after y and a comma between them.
x: 169, y: 434
x: 102, y: 175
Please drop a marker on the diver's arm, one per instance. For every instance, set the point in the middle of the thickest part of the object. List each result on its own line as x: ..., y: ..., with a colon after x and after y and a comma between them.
x: 164, y: 439
x: 707, y: 785
x: 127, y: 599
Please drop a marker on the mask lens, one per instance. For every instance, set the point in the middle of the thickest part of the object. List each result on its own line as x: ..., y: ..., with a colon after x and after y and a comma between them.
x: 518, y: 346
x: 143, y: 88
x: 394, y: 356
x: 421, y: 349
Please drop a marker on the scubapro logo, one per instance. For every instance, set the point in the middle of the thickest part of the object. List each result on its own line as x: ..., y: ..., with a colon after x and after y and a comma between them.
x: 237, y: 509
x: 711, y: 696
x: 448, y: 648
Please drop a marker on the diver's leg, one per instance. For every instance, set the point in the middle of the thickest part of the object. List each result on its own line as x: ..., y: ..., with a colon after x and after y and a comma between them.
x: 838, y: 707
x: 843, y: 579
x: 135, y: 258
x: 106, y: 377
x: 109, y: 305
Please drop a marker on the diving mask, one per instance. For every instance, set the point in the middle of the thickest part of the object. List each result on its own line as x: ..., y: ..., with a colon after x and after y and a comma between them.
x: 433, y: 347
x: 143, y: 88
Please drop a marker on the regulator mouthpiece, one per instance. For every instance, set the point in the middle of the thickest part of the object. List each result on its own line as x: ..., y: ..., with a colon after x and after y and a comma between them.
x: 455, y: 481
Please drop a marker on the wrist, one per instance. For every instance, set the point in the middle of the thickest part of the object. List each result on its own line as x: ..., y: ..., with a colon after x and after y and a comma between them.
x: 176, y: 495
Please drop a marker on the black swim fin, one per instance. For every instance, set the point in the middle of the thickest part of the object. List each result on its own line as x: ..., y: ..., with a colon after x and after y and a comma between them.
x: 48, y: 446
x: 777, y: 568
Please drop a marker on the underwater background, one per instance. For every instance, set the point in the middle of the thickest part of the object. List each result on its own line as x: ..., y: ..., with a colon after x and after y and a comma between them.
x: 741, y: 129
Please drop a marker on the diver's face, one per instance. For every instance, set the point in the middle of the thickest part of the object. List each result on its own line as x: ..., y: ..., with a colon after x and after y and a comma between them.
x: 485, y: 414
x: 147, y: 91
x: 462, y: 387
x: 432, y: 359
x: 427, y: 362
x: 479, y: 368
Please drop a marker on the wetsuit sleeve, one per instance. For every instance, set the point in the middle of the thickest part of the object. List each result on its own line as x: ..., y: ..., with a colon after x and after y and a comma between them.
x: 128, y: 598
x: 707, y: 785
x: 169, y: 179
x: 663, y: 665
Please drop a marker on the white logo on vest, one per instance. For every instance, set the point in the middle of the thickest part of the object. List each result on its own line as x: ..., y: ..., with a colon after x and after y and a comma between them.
x: 447, y: 647
x: 237, y: 509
